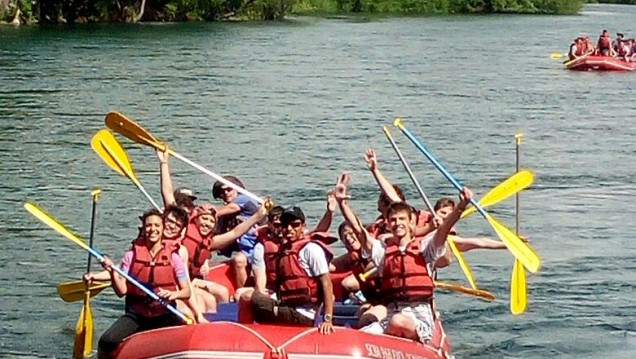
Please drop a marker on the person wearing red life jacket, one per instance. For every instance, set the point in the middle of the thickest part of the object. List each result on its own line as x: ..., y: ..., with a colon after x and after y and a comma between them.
x: 576, y: 49
x: 406, y: 264
x: 604, y: 45
x: 302, y: 279
x: 153, y: 263
x: 390, y: 193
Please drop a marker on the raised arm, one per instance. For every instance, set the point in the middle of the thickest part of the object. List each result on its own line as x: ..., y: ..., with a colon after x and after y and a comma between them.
x: 340, y: 192
x: 223, y: 240
x: 385, y: 185
x: 448, y: 223
x: 327, y: 218
x: 167, y: 191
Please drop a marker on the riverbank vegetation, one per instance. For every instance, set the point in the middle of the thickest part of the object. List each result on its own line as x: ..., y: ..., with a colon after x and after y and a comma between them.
x: 88, y: 11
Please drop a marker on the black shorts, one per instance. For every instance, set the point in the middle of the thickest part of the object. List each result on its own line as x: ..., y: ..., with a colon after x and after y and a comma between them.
x: 263, y: 309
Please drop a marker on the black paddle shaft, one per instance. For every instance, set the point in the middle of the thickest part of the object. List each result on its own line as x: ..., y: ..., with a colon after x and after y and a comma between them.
x: 92, y: 234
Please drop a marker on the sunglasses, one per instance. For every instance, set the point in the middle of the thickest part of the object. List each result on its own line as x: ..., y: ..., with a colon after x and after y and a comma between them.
x: 294, y: 225
x: 227, y: 189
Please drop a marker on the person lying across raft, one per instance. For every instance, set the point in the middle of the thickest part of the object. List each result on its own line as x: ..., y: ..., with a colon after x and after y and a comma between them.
x: 303, y: 284
x: 156, y: 264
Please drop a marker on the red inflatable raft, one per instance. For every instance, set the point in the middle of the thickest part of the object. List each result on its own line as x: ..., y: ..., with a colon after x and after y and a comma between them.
x: 223, y: 338
x: 600, y: 63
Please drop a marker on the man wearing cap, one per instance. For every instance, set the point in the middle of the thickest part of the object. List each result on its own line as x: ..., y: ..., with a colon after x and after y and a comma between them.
x: 303, y: 281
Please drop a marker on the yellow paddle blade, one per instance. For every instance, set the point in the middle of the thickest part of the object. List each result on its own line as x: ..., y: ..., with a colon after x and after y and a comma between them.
x: 75, y: 291
x: 483, y: 294
x: 83, y: 345
x: 518, y: 289
x: 110, y: 151
x: 520, y: 249
x: 557, y: 55
x: 130, y: 129
x: 462, y: 262
x: 515, y: 183
x: 51, y: 222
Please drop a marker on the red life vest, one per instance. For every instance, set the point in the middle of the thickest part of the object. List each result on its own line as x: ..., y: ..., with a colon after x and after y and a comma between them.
x: 157, y: 272
x: 405, y: 276
x: 199, y: 249
x: 604, y: 43
x: 270, y: 254
x: 294, y: 286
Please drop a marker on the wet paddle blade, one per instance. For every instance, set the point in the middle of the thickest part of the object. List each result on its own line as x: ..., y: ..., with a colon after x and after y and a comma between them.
x: 556, y: 55
x: 83, y: 345
x: 515, y: 183
x: 462, y: 262
x: 518, y: 289
x: 520, y: 249
x: 483, y: 294
x: 74, y: 291
x: 130, y: 129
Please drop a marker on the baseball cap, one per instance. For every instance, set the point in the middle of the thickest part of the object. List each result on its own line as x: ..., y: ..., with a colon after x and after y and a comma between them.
x: 291, y: 214
x: 185, y: 192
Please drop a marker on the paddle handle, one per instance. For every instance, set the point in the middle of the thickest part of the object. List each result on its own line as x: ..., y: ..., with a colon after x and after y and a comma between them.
x: 217, y: 177
x: 517, y: 150
x: 408, y: 170
x: 437, y: 164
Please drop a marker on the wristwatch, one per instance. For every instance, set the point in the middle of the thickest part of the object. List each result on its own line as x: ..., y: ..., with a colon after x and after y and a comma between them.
x: 328, y: 317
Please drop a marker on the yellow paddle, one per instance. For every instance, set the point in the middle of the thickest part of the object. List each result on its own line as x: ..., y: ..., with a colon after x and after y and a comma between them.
x: 515, y: 183
x: 518, y: 286
x: 83, y: 344
x: 130, y: 129
x: 58, y: 227
x: 442, y: 285
x: 483, y: 294
x: 112, y: 153
x: 460, y: 257
x: 521, y: 250
x: 557, y: 55
x: 76, y: 290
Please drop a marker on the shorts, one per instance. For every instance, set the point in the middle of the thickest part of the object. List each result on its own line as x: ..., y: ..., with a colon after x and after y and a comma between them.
x: 263, y: 307
x: 422, y: 315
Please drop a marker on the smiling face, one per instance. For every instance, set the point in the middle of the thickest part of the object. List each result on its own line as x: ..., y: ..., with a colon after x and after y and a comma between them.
x: 173, y: 226
x: 293, y: 230
x: 205, y: 223
x: 153, y: 228
x: 349, y: 239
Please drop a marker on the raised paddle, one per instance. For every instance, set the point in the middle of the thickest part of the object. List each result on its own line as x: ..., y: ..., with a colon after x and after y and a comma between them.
x: 518, y: 285
x: 83, y: 344
x: 112, y: 153
x: 57, y: 226
x: 515, y: 183
x: 513, y: 242
x: 75, y: 291
x: 130, y: 129
x: 460, y: 257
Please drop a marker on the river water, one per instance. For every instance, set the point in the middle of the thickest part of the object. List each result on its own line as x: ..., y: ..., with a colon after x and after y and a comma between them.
x: 286, y: 107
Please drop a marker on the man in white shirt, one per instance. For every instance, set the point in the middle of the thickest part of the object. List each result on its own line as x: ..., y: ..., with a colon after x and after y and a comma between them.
x: 303, y: 281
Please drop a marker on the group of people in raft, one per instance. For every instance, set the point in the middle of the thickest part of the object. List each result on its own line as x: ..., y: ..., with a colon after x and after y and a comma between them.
x: 621, y: 47
x: 290, y: 262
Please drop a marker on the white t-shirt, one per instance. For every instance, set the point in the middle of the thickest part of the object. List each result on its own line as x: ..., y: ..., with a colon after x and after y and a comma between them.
x: 313, y: 259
